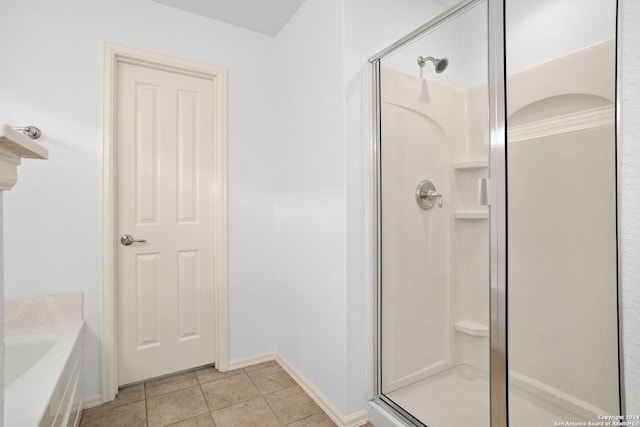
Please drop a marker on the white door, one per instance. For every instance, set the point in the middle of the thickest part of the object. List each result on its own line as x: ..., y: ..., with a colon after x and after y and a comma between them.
x: 164, y: 196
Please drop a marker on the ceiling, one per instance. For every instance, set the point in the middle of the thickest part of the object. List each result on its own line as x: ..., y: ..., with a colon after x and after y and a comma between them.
x: 264, y: 16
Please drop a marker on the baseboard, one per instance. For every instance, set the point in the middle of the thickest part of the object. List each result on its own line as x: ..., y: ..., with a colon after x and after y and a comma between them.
x: 353, y: 420
x: 90, y: 402
x: 252, y: 360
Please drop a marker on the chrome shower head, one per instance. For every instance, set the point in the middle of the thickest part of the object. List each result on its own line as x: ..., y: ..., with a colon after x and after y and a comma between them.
x: 439, y: 64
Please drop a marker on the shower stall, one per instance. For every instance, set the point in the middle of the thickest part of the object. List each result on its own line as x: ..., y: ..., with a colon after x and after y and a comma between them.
x: 495, y: 181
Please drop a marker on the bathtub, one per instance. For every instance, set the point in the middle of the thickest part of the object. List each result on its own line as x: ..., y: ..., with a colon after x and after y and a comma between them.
x: 43, y: 376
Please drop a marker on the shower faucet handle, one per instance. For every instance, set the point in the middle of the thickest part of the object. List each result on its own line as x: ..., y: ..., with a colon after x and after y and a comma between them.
x: 431, y: 194
x: 426, y: 195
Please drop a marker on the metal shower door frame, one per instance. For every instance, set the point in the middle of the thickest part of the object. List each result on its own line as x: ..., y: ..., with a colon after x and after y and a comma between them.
x: 497, y: 209
x: 498, y: 359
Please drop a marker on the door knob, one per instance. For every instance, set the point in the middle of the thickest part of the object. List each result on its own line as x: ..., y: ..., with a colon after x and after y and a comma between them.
x: 128, y: 239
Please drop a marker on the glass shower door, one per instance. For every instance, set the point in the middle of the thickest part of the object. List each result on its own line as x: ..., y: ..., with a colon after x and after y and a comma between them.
x: 561, y: 169
x: 433, y: 235
x: 529, y: 103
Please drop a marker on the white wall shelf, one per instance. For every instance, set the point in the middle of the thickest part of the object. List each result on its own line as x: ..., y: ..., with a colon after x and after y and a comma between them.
x: 468, y: 165
x: 471, y: 215
x: 471, y: 328
x: 14, y: 146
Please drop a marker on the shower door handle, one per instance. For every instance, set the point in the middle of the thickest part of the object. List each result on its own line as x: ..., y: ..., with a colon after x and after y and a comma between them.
x: 128, y: 239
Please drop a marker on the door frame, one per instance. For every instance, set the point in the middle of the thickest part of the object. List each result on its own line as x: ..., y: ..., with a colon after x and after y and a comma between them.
x: 114, y: 55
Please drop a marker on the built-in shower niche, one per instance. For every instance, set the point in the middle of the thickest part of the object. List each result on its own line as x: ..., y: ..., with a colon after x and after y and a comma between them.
x: 435, y: 305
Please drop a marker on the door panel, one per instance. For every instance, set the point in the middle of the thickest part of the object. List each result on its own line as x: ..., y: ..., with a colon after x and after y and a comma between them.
x: 164, y: 185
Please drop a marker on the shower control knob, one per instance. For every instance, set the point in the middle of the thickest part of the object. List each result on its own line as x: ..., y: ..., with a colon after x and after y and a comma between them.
x: 435, y: 194
x: 128, y: 239
x: 431, y: 195
x: 426, y: 195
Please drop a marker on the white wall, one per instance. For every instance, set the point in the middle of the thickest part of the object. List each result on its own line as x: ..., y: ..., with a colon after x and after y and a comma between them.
x: 311, y: 293
x: 630, y: 200
x: 549, y: 19
x: 53, y: 215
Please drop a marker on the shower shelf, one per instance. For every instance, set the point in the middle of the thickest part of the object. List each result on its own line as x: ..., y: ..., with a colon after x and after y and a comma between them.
x: 471, y: 328
x: 471, y: 215
x: 465, y: 165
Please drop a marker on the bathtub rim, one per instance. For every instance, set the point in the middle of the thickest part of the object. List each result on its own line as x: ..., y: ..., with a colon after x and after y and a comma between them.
x: 35, y: 388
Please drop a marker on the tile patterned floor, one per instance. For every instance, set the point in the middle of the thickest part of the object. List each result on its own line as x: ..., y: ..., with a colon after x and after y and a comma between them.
x: 262, y: 395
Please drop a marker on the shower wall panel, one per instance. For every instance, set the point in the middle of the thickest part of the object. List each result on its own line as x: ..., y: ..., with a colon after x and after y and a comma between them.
x: 418, y: 135
x: 563, y: 260
x: 563, y: 345
x: 435, y: 263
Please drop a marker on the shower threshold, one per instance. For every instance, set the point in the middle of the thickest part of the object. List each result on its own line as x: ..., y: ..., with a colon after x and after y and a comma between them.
x: 459, y: 397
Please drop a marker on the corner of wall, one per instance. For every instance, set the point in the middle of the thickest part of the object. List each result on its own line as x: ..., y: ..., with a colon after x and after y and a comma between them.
x: 311, y: 237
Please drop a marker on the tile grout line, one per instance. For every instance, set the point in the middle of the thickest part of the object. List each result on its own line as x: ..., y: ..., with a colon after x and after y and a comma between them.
x: 199, y: 385
x: 320, y: 411
x: 176, y: 391
x: 275, y: 391
x: 206, y: 402
x: 146, y: 410
x: 173, y: 391
x: 211, y: 411
x: 224, y: 407
x: 245, y: 372
x: 302, y: 419
x: 262, y: 394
